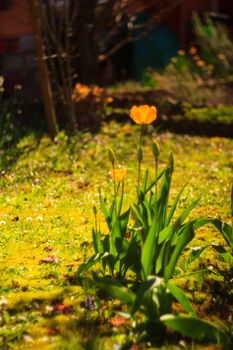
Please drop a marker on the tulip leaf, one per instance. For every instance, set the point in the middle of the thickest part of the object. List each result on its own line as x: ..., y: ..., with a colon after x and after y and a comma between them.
x: 115, y: 289
x: 145, y: 180
x: 232, y: 200
x: 96, y: 241
x: 146, y: 286
x: 181, y: 297
x: 174, y: 205
x: 150, y: 186
x: 196, y: 252
x: 105, y: 210
x: 226, y: 256
x: 149, y: 249
x: 187, y: 211
x: 185, y: 237
x: 89, y: 263
x: 195, y: 328
x: 225, y: 229
x: 163, y: 200
x: 121, y: 198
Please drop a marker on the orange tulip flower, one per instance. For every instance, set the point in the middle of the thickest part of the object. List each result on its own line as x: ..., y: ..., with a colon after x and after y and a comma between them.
x: 181, y: 52
x: 118, y: 174
x: 193, y: 50
x: 143, y: 114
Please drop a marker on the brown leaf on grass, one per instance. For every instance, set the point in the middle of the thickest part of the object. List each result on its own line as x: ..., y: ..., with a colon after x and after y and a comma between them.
x: 51, y: 276
x: 83, y: 184
x: 52, y: 331
x: 61, y: 308
x: 134, y: 347
x: 48, y: 249
x: 127, y: 234
x: 69, y: 278
x: 105, y: 307
x: 49, y: 260
x: 117, y: 321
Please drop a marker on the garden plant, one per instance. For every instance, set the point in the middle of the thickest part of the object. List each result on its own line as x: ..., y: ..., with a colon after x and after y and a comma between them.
x: 144, y: 243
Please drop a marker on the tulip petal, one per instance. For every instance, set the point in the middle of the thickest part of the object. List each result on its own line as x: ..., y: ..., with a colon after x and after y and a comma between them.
x: 118, y: 174
x: 136, y: 115
x: 151, y: 116
x: 144, y: 110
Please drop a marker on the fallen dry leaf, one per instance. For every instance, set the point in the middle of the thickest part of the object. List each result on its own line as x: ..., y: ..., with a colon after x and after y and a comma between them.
x: 52, y: 331
x: 49, y: 260
x: 117, y: 321
x: 65, y: 309
x: 48, y: 249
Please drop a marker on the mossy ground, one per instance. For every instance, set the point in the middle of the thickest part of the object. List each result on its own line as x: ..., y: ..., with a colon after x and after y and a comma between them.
x: 46, y: 217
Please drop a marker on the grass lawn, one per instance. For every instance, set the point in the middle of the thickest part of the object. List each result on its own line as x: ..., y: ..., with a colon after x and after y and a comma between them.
x: 46, y: 199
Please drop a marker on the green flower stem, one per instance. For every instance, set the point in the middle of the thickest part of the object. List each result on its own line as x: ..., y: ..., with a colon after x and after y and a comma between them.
x: 140, y: 155
x: 114, y: 183
x: 156, y: 183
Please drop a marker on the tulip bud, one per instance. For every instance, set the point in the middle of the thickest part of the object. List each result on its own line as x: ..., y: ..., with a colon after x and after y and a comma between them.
x: 94, y: 210
x: 111, y: 155
x: 140, y: 155
x: 156, y: 149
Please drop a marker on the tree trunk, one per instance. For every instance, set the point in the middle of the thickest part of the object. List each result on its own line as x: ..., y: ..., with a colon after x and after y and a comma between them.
x: 43, y: 70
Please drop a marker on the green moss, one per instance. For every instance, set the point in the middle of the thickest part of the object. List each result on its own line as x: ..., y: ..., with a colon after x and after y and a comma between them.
x: 219, y: 114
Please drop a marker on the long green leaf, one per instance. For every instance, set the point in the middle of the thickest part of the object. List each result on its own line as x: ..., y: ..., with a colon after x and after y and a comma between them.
x: 148, y: 249
x: 146, y: 286
x: 232, y: 200
x: 98, y: 247
x: 196, y: 329
x: 187, y: 211
x: 196, y: 252
x: 116, y: 290
x: 166, y: 233
x: 121, y: 198
x: 105, y: 210
x: 160, y: 259
x: 174, y: 205
x: 186, y: 236
x: 151, y: 185
x: 181, y: 297
x: 224, y: 254
x: 123, y: 219
x: 225, y: 229
x: 89, y: 263
x: 146, y: 216
x: 145, y: 180
x: 132, y: 257
x: 135, y: 211
x: 122, y: 246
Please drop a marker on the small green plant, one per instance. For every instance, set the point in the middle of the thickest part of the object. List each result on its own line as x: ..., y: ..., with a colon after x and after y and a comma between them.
x: 112, y: 251
x: 150, y: 249
x: 225, y: 230
x: 157, y: 238
x: 150, y: 303
x: 218, y: 114
x: 215, y: 43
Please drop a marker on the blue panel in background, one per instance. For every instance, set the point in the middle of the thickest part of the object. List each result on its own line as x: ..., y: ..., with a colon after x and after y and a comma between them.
x: 154, y: 50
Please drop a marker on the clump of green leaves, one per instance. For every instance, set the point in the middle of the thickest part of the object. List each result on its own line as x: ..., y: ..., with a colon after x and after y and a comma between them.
x: 150, y: 302
x: 218, y: 114
x: 150, y: 249
x: 215, y: 43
